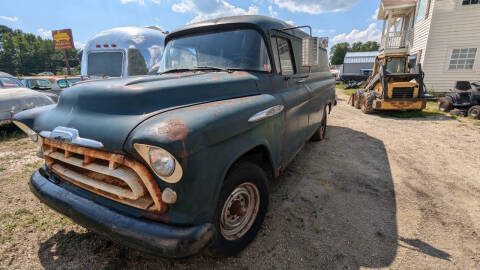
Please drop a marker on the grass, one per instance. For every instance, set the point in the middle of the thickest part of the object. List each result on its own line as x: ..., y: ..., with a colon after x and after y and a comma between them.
x: 348, y: 92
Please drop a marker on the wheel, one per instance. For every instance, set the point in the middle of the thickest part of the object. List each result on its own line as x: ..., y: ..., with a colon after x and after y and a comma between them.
x: 241, y: 209
x: 474, y: 112
x: 446, y: 104
x: 321, y: 132
x: 358, y: 97
x: 367, y: 102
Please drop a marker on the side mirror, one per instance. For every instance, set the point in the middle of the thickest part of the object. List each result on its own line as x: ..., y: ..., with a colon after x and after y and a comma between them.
x: 310, y: 47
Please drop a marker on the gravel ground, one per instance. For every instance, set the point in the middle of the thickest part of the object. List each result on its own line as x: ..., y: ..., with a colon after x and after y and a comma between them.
x: 379, y: 192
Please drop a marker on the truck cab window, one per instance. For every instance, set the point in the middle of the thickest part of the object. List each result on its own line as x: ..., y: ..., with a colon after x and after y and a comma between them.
x: 284, y: 52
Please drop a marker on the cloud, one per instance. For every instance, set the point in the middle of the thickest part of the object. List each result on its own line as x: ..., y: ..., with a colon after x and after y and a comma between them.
x: 316, y: 6
x: 211, y: 9
x: 141, y: 2
x: 372, y: 33
x: 272, y: 12
x: 44, y: 33
x: 375, y: 15
x: 79, y: 45
x: 10, y: 19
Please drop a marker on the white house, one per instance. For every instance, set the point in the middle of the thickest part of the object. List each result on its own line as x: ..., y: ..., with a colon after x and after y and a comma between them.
x: 442, y: 35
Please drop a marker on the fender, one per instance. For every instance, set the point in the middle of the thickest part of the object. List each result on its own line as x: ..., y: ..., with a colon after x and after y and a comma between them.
x: 204, y: 141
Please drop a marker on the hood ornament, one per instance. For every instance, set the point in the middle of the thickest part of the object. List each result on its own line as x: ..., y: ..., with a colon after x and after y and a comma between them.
x: 70, y: 136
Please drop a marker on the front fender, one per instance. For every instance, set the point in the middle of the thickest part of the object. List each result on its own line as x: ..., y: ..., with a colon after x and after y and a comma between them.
x: 206, y: 139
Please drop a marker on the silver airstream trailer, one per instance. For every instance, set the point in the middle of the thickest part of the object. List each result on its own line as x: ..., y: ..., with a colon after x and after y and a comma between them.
x: 123, y: 51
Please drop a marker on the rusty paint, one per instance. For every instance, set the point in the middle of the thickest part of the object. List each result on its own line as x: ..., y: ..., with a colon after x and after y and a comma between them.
x: 240, y: 74
x: 147, y: 179
x: 175, y: 129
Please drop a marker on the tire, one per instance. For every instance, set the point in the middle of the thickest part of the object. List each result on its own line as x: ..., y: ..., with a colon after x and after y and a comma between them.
x: 321, y: 132
x: 359, y: 95
x: 245, y: 180
x: 367, y: 102
x: 474, y: 112
x: 445, y: 105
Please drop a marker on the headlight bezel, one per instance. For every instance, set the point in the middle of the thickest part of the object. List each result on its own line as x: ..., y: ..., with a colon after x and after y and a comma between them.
x: 144, y: 151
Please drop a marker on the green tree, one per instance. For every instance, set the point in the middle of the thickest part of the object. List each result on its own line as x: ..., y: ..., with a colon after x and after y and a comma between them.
x: 25, y: 54
x: 338, y: 52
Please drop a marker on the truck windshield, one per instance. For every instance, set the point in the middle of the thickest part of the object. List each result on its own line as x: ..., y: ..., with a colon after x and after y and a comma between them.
x: 238, y: 50
x: 396, y: 65
x: 105, y: 64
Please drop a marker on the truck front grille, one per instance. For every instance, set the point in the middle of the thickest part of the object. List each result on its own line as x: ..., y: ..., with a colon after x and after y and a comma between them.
x: 403, y: 92
x: 113, y: 176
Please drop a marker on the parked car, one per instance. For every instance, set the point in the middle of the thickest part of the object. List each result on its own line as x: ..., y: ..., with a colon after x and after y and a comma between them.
x: 122, y: 52
x: 49, y: 85
x: 178, y: 162
x: 15, y: 98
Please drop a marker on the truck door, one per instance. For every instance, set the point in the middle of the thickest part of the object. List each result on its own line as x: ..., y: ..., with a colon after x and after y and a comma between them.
x: 288, y: 85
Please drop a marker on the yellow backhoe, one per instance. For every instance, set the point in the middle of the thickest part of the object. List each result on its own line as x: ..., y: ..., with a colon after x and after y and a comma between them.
x: 393, y: 86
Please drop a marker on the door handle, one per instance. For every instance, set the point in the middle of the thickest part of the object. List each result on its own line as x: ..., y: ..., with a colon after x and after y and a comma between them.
x: 302, y: 81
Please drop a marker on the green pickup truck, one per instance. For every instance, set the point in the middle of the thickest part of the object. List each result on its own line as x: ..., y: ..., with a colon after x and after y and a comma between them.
x: 178, y: 162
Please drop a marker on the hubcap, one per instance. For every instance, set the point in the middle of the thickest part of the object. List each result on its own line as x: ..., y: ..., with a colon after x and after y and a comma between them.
x: 240, y: 211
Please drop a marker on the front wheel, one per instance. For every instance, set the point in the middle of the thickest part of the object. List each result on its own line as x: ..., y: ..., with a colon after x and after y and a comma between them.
x: 241, y: 209
x: 474, y: 112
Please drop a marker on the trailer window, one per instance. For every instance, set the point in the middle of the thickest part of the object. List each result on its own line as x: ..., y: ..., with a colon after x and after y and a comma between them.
x: 136, y: 63
x: 105, y: 64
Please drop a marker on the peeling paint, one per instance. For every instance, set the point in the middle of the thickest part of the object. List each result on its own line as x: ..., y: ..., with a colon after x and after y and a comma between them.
x: 175, y: 129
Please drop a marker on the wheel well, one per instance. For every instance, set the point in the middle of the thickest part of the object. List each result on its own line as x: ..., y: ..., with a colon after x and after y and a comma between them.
x: 260, y: 156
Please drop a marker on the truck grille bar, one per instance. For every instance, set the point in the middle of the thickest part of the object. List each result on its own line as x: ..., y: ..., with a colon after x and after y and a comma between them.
x: 113, y: 176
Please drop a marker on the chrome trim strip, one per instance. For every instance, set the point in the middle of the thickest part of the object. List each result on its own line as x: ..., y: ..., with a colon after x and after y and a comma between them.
x: 272, y: 111
x: 71, y: 136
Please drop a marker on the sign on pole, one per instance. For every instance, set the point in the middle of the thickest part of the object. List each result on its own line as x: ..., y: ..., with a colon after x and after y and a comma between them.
x: 62, y: 40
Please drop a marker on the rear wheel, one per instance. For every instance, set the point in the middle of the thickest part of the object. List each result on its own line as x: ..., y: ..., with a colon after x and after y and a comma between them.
x: 358, y: 98
x: 474, y: 112
x: 241, y: 209
x: 446, y: 104
x: 367, y: 102
x: 321, y: 132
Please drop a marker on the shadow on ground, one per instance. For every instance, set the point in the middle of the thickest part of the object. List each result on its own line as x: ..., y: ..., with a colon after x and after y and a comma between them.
x: 334, y: 208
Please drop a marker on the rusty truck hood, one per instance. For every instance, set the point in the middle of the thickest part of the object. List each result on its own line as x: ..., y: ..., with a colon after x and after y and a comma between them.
x: 108, y: 110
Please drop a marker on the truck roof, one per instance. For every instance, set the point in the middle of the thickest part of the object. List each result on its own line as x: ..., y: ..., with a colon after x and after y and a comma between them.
x: 263, y: 23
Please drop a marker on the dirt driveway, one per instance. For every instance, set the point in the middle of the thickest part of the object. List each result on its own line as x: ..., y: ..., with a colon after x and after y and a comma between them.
x: 380, y: 192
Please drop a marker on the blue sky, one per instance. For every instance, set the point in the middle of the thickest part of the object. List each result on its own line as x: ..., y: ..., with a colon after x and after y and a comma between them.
x: 340, y: 20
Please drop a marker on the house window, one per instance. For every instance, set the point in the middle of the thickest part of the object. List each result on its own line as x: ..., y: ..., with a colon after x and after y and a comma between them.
x: 463, y: 59
x: 470, y: 2
x: 422, y: 9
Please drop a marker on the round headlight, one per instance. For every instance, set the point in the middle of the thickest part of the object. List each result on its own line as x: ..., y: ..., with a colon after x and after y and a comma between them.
x: 162, y: 162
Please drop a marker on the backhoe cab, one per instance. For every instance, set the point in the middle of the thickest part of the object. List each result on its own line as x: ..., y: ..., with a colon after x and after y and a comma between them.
x: 393, y: 85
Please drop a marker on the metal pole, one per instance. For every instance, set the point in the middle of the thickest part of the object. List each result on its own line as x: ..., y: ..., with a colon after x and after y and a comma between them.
x: 66, y: 61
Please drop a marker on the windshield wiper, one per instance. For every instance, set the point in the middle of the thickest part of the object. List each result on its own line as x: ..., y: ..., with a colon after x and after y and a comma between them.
x: 176, y: 70
x: 212, y: 68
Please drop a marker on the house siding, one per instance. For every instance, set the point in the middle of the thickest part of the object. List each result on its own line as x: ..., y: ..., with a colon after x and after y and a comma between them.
x: 452, y: 26
x: 421, y: 33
